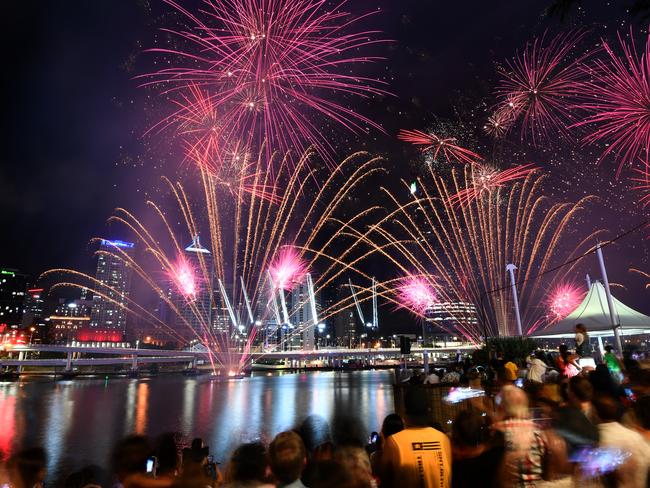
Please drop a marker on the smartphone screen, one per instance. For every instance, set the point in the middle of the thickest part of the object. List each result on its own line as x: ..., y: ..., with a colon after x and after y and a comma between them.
x: 151, y: 465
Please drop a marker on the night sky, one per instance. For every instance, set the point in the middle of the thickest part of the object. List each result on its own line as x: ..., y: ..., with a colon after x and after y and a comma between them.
x: 73, y: 145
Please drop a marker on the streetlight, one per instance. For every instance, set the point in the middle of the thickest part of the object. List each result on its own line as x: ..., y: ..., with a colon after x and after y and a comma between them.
x: 31, y: 335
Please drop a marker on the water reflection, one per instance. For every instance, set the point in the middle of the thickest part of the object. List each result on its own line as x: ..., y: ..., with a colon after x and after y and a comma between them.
x: 79, y: 421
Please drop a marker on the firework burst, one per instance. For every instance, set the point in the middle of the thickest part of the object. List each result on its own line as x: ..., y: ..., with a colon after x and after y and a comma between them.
x: 539, y: 84
x: 563, y: 299
x: 287, y: 268
x: 183, y: 275
x: 486, y: 179
x: 468, y: 247
x: 270, y: 68
x: 416, y: 293
x: 224, y: 293
x: 617, y: 102
x: 439, y: 146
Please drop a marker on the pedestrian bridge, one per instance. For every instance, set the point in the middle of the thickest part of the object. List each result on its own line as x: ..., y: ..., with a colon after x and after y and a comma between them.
x: 86, y: 356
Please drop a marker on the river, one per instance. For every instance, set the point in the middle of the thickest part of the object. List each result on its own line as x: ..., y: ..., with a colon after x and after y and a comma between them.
x: 78, y: 421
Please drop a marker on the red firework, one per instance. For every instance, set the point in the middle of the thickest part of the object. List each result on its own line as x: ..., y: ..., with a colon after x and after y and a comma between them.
x: 617, y: 100
x: 445, y: 146
x: 486, y: 179
x: 268, y: 66
x: 539, y: 83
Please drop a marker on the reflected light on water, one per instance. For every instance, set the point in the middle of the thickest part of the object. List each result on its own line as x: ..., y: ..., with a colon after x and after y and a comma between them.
x: 79, y: 421
x: 142, y: 408
x: 7, y: 418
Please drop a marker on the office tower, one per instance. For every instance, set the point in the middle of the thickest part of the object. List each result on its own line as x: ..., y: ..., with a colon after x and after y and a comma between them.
x: 34, y: 308
x: 443, y: 319
x: 302, y: 317
x: 13, y: 290
x: 109, y: 314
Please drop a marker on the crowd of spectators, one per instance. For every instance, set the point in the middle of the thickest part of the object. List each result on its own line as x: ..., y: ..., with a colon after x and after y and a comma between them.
x: 548, y: 422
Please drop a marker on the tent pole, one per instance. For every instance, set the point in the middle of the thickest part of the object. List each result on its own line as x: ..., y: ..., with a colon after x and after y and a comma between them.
x: 511, y: 269
x: 588, y: 278
x: 610, y: 302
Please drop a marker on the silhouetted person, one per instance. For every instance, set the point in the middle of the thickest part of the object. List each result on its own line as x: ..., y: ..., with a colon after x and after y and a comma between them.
x: 248, y: 467
x: 477, y: 454
x: 392, y: 424
x: 287, y: 456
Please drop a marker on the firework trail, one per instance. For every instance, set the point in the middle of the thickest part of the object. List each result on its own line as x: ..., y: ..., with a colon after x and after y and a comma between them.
x: 468, y: 247
x: 617, y: 102
x: 266, y: 70
x: 247, y: 239
x: 486, y: 179
x: 439, y: 146
x: 538, y: 87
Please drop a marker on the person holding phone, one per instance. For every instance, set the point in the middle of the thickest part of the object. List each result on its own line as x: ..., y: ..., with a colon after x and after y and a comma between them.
x: 392, y: 424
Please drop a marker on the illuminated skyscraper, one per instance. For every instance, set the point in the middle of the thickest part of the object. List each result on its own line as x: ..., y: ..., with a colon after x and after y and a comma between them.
x: 13, y: 288
x: 34, y: 303
x: 109, y: 314
x: 302, y: 317
x: 445, y: 318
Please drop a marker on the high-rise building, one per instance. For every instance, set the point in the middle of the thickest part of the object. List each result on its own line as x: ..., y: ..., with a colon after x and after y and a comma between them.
x: 302, y: 317
x: 109, y: 313
x: 33, y: 313
x: 195, y: 311
x: 13, y: 290
x: 345, y: 325
x: 443, y: 319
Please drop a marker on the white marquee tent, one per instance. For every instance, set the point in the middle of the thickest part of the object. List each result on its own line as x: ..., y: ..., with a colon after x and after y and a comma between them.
x: 593, y: 312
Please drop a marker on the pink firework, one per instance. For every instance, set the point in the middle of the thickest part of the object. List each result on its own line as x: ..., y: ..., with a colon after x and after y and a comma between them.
x: 267, y: 67
x: 184, y: 278
x: 287, y: 268
x: 539, y: 84
x: 486, y: 179
x: 416, y: 293
x: 617, y: 101
x: 563, y: 300
x: 439, y: 146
